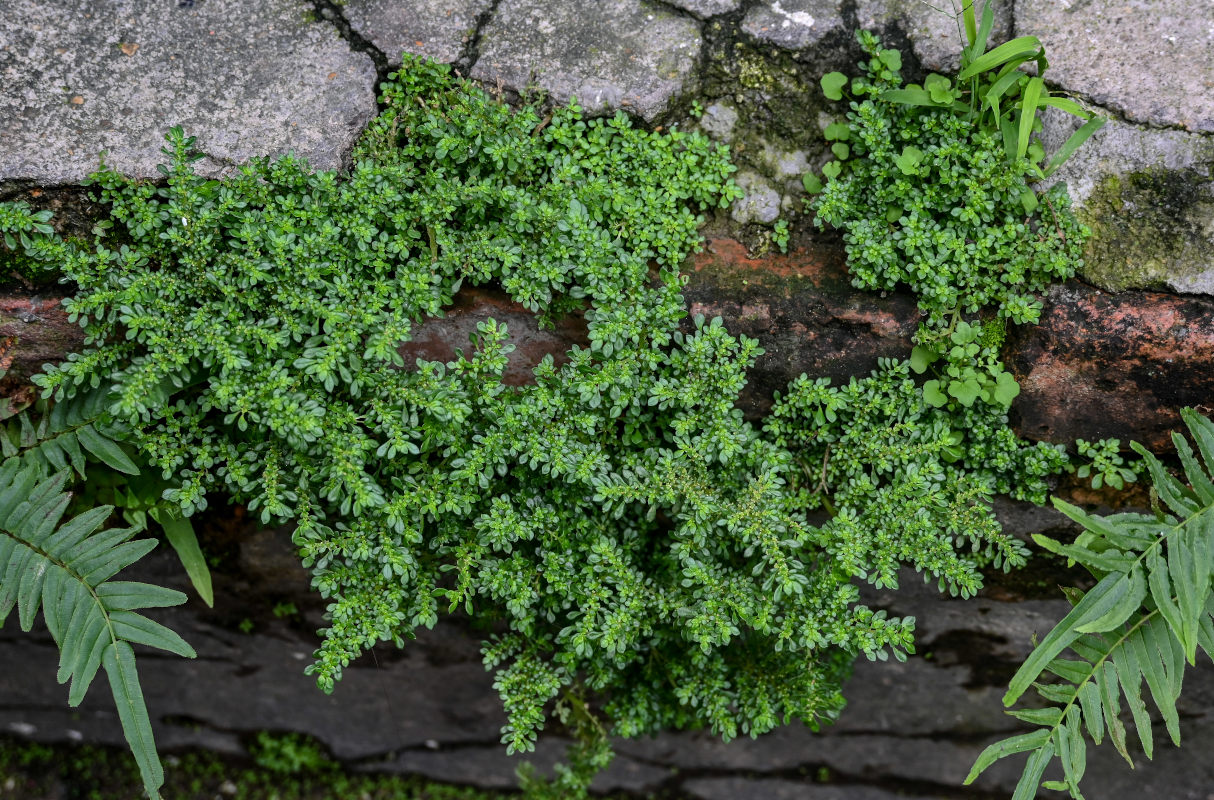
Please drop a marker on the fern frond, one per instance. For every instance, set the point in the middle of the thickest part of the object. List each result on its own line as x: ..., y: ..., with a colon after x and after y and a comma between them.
x: 65, y: 571
x: 65, y: 434
x: 1148, y: 614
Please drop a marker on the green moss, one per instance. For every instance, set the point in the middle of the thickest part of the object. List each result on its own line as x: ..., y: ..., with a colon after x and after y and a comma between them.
x: 30, y: 770
x: 1149, y: 229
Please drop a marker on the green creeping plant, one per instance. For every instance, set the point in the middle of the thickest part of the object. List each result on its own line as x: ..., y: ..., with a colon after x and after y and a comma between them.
x: 645, y: 552
x: 931, y: 184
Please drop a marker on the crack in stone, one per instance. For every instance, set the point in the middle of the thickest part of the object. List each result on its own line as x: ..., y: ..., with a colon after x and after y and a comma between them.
x: 472, y: 48
x: 331, y: 12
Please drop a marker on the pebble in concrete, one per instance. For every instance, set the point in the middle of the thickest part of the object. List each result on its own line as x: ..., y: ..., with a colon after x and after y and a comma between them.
x: 794, y: 24
x: 718, y: 121
x: 247, y: 77
x: 1147, y: 59
x: 608, y: 54
x: 436, y: 29
x: 761, y: 202
x: 707, y: 8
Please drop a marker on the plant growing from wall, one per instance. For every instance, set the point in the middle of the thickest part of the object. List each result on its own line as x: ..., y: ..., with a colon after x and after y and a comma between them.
x: 930, y: 184
x: 647, y: 551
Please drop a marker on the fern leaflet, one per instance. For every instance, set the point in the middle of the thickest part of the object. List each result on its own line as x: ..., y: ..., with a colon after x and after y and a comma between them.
x: 65, y: 571
x: 1149, y: 613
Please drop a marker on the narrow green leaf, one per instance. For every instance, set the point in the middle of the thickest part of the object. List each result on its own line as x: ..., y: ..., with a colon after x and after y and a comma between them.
x: 1202, y: 430
x: 910, y: 96
x: 29, y: 592
x: 1056, y: 692
x: 1094, y: 604
x: 85, y: 669
x: 1201, y: 484
x: 1074, y: 763
x: 137, y: 628
x: 971, y: 28
x: 1026, y: 787
x: 110, y: 563
x: 180, y: 533
x: 1037, y: 716
x: 1089, y: 699
x: 71, y: 446
x: 52, y: 598
x: 106, y: 451
x: 1110, y: 696
x: 1129, y: 604
x: 1064, y: 104
x: 1161, y: 591
x: 13, y: 494
x: 1148, y: 660
x: 64, y: 541
x: 119, y: 661
x: 1130, y: 678
x: 1028, y: 113
x: 128, y: 596
x: 1007, y: 747
x: 1015, y: 48
x: 1070, y: 670
x: 1072, y: 143
x: 983, y: 34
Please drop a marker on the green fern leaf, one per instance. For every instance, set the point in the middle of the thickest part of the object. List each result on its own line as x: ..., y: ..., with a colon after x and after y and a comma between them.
x: 65, y: 434
x: 1146, y: 617
x: 62, y: 570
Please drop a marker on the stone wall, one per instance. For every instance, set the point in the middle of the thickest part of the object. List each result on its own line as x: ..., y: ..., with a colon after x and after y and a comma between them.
x: 1117, y: 353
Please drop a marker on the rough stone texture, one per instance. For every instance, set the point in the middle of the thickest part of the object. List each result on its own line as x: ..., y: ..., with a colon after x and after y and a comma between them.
x: 42, y: 331
x: 438, y: 339
x: 794, y: 24
x: 759, y: 203
x: 1148, y: 195
x: 1118, y: 365
x: 436, y: 29
x: 910, y: 730
x: 1146, y: 59
x: 718, y: 121
x: 246, y: 77
x: 707, y: 8
x: 609, y: 54
x: 734, y: 788
x: 936, y: 37
x: 802, y: 310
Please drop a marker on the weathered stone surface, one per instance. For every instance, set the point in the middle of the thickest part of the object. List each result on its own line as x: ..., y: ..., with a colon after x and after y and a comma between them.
x: 1147, y: 59
x: 719, y: 120
x: 802, y: 310
x: 707, y: 8
x: 438, y: 339
x: 794, y: 24
x: 910, y: 729
x: 608, y: 54
x: 436, y: 29
x: 1117, y: 365
x: 737, y: 788
x: 42, y: 332
x: 247, y: 78
x: 1148, y: 195
x: 936, y: 35
x: 759, y: 203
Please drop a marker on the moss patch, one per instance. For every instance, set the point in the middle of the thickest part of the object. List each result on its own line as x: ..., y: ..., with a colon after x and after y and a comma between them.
x: 280, y: 767
x: 1150, y: 229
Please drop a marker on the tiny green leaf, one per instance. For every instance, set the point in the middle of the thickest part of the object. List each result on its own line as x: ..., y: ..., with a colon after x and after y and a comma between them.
x: 832, y: 85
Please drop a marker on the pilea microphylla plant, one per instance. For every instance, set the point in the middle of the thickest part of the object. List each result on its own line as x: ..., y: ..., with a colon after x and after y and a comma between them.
x: 648, y: 556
